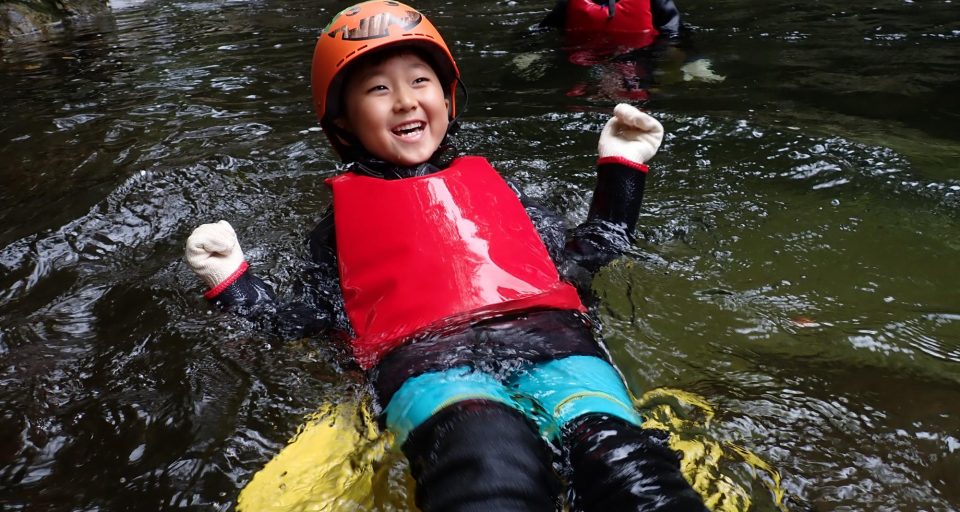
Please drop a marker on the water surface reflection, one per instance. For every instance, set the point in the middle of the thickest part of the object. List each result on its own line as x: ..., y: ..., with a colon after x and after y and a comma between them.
x: 795, y: 276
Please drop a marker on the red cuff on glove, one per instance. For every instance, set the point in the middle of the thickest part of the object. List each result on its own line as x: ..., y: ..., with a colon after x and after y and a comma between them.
x: 217, y: 290
x: 623, y: 161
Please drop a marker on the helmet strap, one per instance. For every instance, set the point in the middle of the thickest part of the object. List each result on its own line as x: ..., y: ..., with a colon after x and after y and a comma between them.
x: 455, y: 122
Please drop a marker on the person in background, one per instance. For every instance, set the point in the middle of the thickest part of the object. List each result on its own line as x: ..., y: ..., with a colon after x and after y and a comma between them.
x: 615, y: 23
x: 487, y: 367
x: 624, y: 39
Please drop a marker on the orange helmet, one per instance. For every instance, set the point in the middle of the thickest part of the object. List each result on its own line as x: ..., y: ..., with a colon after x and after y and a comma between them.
x: 366, y: 27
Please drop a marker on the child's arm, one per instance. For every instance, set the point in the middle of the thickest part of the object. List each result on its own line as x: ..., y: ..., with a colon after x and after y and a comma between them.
x: 214, y: 254
x: 629, y: 139
x: 666, y: 17
x: 557, y: 16
x: 551, y: 226
x: 323, y: 244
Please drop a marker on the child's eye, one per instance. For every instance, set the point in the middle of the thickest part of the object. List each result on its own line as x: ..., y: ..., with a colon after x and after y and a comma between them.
x: 377, y: 88
x: 422, y: 79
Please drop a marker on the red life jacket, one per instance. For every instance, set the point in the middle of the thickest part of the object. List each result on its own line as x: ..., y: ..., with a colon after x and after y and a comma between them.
x: 430, y: 252
x: 589, y: 26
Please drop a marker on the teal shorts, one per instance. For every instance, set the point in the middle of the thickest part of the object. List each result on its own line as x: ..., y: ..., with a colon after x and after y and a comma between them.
x: 551, y: 393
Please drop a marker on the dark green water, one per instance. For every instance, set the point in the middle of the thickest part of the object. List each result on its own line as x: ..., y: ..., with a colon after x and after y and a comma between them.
x: 797, y: 267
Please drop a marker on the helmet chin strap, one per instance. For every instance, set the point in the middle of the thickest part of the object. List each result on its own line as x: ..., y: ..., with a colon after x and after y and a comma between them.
x: 455, y: 122
x: 347, y: 145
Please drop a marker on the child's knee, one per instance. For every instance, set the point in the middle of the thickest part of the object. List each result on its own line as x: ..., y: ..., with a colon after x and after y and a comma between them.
x: 481, y: 455
x: 423, y: 396
x: 620, y: 466
x: 574, y: 386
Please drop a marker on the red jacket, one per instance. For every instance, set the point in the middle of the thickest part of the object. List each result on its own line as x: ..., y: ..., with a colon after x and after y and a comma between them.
x: 589, y: 24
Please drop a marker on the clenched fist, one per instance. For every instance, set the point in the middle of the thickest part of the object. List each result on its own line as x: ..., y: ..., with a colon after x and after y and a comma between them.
x: 630, y: 134
x: 213, y: 252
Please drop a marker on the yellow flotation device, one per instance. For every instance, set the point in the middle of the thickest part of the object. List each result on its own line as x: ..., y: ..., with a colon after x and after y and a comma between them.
x: 707, y: 462
x: 339, y: 460
x: 328, y: 466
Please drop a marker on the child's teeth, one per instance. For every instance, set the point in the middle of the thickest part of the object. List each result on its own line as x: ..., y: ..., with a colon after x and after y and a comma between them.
x: 406, y: 129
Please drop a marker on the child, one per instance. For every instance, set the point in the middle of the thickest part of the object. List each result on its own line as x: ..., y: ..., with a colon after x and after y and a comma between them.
x: 621, y: 39
x: 480, y: 354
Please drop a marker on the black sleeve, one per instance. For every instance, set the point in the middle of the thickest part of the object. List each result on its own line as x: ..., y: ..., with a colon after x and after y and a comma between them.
x: 666, y: 17
x: 250, y: 297
x: 608, y: 231
x: 323, y: 242
x: 319, y: 307
x: 551, y: 227
x: 557, y: 17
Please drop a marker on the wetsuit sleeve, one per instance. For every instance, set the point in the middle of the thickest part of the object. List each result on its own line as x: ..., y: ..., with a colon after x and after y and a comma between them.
x: 325, y: 274
x: 557, y: 17
x: 316, y: 309
x: 608, y: 231
x: 323, y: 244
x: 250, y: 297
x: 666, y: 17
x: 551, y: 227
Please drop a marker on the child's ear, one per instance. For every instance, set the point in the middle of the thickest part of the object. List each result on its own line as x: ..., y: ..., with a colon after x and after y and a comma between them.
x: 343, y: 127
x: 446, y: 102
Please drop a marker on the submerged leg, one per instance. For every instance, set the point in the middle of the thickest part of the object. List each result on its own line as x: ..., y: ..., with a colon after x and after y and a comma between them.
x: 618, y: 466
x: 615, y: 464
x: 480, y: 456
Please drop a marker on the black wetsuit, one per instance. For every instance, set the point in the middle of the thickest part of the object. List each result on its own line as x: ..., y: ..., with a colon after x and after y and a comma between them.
x: 480, y: 454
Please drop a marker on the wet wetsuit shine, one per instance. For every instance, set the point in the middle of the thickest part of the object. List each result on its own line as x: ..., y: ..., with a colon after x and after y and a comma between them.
x: 482, y: 453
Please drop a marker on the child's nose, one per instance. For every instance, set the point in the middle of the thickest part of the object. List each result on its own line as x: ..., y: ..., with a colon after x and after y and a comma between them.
x: 404, y: 100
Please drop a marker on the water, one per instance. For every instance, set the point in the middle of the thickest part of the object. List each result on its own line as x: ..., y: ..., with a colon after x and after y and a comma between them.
x: 792, y: 300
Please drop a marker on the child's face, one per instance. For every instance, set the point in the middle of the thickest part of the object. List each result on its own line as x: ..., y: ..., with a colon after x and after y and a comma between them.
x: 397, y: 109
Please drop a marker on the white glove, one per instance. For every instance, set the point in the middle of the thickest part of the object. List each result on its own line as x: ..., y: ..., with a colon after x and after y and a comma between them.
x: 213, y: 252
x: 702, y: 70
x: 630, y: 134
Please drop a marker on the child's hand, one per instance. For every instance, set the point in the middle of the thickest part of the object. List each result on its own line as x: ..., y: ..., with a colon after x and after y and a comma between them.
x: 700, y: 69
x: 630, y: 134
x: 213, y: 252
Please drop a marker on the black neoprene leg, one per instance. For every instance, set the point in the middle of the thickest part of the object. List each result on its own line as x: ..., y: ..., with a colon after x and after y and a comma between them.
x: 619, y: 467
x: 481, y: 456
